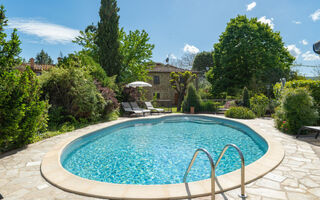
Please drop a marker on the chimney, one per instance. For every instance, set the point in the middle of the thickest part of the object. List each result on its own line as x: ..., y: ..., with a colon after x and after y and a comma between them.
x: 31, y: 61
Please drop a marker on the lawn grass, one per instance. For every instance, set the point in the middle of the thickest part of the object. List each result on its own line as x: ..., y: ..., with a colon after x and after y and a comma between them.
x: 174, y: 109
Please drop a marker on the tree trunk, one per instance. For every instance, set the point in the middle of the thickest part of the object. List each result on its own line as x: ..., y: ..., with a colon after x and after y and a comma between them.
x: 180, y: 99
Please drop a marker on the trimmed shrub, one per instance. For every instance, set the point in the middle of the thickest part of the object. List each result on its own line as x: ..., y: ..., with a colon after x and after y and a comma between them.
x: 259, y: 104
x: 22, y: 114
x: 191, y: 99
x: 296, y: 110
x: 240, y: 113
x: 209, y: 106
x: 245, y: 98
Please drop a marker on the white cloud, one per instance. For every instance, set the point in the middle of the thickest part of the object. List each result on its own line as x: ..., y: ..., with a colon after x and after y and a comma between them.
x: 267, y: 21
x: 294, y: 50
x: 296, y: 22
x: 251, y: 6
x: 51, y: 33
x: 190, y: 49
x: 304, y: 42
x: 172, y: 56
x: 308, y: 56
x: 316, y: 15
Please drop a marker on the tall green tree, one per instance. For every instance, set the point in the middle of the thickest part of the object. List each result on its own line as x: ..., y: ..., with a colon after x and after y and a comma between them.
x: 249, y: 53
x: 9, y: 49
x: 179, y: 82
x: 245, y: 98
x: 43, y: 58
x: 108, y: 37
x: 203, y: 61
x: 135, y: 50
x: 22, y: 114
x: 136, y: 54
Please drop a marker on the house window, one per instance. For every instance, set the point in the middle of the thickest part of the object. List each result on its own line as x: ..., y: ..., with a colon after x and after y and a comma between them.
x: 156, y: 80
x: 156, y: 94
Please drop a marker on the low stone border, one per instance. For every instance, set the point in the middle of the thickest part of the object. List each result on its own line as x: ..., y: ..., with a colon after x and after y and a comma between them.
x: 54, y: 173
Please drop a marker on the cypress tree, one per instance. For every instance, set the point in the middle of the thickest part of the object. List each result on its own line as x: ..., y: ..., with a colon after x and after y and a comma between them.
x: 43, y: 58
x: 245, y: 98
x: 9, y: 49
x: 108, y: 37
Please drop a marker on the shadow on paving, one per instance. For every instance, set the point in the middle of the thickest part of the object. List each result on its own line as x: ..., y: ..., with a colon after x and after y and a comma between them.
x: 10, y: 153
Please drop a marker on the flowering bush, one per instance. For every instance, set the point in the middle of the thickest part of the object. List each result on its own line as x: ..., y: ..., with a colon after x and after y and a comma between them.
x: 230, y: 104
x: 296, y: 110
x: 284, y: 127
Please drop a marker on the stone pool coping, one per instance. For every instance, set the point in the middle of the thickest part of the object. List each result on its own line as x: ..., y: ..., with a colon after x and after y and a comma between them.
x: 54, y: 173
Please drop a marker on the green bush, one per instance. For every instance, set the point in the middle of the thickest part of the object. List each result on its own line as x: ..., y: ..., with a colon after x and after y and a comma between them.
x: 22, y: 114
x: 245, y: 98
x: 311, y: 85
x: 296, y: 110
x: 87, y: 63
x: 259, y: 104
x: 240, y: 113
x: 192, y: 98
x: 209, y: 106
x: 73, y: 92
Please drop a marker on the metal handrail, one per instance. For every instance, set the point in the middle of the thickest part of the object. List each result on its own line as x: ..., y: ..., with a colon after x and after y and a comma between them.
x: 212, y: 169
x: 213, y: 166
x: 242, y: 195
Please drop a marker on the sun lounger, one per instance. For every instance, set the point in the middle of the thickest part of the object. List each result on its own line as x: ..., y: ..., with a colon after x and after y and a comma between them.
x: 127, y: 108
x: 153, y: 110
x: 135, y: 106
x: 312, y: 128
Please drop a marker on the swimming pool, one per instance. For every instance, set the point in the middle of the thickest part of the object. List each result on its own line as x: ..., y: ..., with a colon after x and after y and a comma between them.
x: 158, y: 151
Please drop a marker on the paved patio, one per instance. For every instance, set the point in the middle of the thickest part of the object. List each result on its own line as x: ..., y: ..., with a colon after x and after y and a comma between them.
x: 296, y: 178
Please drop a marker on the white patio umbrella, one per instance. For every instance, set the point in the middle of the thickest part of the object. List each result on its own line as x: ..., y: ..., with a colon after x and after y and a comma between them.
x: 138, y: 84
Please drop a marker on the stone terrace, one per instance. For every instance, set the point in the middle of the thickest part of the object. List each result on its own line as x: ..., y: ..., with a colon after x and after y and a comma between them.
x: 296, y: 178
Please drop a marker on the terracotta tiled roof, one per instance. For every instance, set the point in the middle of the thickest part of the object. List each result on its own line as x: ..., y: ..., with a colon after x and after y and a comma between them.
x: 160, y: 67
x: 35, y: 67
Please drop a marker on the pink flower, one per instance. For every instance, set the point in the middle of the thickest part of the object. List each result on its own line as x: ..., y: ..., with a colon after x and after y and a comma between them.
x: 284, y: 121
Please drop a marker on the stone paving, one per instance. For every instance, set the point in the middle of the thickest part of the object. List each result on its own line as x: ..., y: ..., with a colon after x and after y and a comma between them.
x: 296, y: 178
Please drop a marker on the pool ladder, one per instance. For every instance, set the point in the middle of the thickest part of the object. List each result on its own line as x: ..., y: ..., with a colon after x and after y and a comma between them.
x: 213, y: 166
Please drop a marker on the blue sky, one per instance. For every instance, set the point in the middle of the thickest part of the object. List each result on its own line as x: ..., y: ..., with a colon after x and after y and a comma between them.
x: 174, y: 26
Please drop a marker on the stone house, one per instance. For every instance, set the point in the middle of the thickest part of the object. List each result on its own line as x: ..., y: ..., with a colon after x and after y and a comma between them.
x: 160, y: 81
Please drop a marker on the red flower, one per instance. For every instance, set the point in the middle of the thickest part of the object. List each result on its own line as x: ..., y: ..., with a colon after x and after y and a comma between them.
x: 284, y: 121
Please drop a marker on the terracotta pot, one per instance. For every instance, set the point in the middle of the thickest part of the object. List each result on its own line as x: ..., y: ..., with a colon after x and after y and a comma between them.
x: 191, y: 110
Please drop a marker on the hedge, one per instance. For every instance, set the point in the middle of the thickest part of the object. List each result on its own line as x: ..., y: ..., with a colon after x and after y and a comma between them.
x: 312, y: 85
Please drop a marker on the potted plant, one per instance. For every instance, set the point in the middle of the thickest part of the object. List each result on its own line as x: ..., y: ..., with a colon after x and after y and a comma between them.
x: 191, y: 109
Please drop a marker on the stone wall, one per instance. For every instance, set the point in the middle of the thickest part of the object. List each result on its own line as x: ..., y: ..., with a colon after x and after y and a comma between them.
x: 164, y: 88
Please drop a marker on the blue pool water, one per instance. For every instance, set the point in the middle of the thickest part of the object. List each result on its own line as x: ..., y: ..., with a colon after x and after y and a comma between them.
x: 158, y: 151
